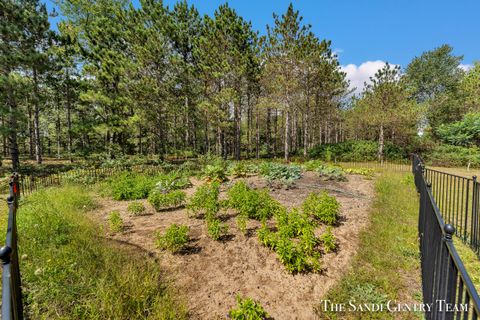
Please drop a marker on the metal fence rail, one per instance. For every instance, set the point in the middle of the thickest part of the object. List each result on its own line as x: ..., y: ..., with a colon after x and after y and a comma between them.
x: 12, y: 307
x: 446, y: 285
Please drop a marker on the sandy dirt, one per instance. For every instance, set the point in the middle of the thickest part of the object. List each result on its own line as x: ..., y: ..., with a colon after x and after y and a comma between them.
x: 211, y: 273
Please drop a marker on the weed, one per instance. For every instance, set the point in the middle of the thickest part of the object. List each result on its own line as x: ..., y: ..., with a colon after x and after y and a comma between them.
x: 115, y: 221
x: 136, y: 208
x: 247, y: 309
x: 322, y: 207
x: 174, y: 239
x: 328, y: 240
x: 163, y: 201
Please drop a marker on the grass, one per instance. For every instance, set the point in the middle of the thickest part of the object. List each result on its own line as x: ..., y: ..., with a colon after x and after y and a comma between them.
x: 69, y: 271
x: 387, y: 263
x: 470, y: 260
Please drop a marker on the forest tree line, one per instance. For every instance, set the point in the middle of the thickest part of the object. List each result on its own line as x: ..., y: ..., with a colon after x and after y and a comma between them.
x: 113, y: 79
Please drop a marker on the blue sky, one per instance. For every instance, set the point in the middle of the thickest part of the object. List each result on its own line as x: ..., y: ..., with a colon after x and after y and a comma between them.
x: 366, y: 33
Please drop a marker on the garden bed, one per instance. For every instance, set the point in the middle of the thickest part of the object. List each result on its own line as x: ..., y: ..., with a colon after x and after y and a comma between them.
x: 212, y: 273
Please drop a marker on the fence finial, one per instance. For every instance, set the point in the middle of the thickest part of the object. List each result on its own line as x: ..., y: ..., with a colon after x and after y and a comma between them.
x: 449, y: 231
x: 10, y: 199
x: 5, y: 253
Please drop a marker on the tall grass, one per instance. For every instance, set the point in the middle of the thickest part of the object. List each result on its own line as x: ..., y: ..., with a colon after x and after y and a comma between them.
x: 70, y: 272
x: 387, y: 263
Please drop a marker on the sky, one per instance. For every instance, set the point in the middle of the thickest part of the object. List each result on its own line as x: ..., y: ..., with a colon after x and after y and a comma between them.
x: 367, y: 33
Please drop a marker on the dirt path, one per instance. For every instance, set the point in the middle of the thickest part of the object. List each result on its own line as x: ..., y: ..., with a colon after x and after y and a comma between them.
x: 212, y: 273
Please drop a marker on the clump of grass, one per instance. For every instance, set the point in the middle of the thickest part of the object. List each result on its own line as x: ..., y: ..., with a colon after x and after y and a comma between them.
x: 115, y: 221
x: 71, y: 273
x: 136, y: 208
x: 169, y: 200
x: 174, y: 239
x: 322, y: 207
x: 248, y: 309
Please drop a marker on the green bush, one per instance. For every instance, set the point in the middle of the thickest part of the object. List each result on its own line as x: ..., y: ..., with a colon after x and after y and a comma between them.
x: 247, y: 309
x: 328, y: 240
x: 66, y: 260
x: 115, y: 221
x: 322, y: 207
x: 131, y: 186
x: 174, y: 239
x: 283, y: 174
x: 242, y: 223
x: 216, y: 229
x: 312, y: 165
x: 252, y: 203
x: 136, y: 208
x: 172, y: 181
x: 356, y: 150
x: 163, y: 201
x: 205, y: 200
x: 331, y: 173
x: 360, y: 171
x: 462, y: 133
x: 449, y: 155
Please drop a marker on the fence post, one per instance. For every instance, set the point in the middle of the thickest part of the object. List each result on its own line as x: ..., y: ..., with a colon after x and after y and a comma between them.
x: 474, y: 221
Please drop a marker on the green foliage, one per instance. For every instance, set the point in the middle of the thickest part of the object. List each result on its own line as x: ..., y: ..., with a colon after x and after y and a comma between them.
x: 213, y: 168
x: 313, y: 165
x: 216, y: 229
x: 66, y: 260
x: 328, y: 240
x: 331, y: 173
x: 280, y: 173
x: 322, y: 207
x: 163, y: 201
x: 173, y: 180
x: 174, y: 239
x: 131, y: 186
x: 357, y: 150
x: 115, y: 221
x: 450, y: 155
x: 242, y: 223
x: 136, y: 208
x: 360, y: 171
x: 238, y: 169
x: 462, y: 133
x: 254, y: 204
x: 205, y: 200
x: 247, y: 309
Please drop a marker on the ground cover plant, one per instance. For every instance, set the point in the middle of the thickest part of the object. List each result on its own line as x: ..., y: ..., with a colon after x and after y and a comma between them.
x: 322, y: 207
x: 205, y: 200
x: 280, y: 174
x: 247, y: 309
x: 136, y: 208
x: 173, y: 180
x: 168, y: 200
x: 174, y: 239
x: 115, y: 221
x: 328, y: 172
x: 110, y: 280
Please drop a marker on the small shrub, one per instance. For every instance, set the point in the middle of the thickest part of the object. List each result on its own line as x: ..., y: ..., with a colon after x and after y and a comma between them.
x: 131, y: 186
x: 216, y: 229
x: 214, y: 170
x: 238, y: 169
x: 312, y: 165
x: 322, y: 207
x: 331, y: 173
x: 163, y: 201
x: 174, y: 239
x: 294, y: 258
x: 205, y: 200
x: 247, y: 309
x: 252, y: 203
x: 172, y: 181
x: 115, y: 221
x: 136, y: 208
x: 283, y: 174
x: 328, y: 240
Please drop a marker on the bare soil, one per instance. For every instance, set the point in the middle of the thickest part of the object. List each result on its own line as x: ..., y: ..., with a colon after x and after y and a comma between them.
x: 211, y: 273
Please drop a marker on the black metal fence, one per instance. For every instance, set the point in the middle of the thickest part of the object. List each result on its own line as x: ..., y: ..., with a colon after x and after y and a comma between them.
x: 446, y: 285
x: 12, y: 307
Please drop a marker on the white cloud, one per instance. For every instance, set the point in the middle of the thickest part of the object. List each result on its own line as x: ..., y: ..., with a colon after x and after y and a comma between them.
x: 465, y: 67
x: 358, y: 75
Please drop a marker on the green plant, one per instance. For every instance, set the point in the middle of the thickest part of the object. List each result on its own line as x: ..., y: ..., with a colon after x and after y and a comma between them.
x: 205, y: 200
x: 216, y: 229
x: 238, y: 169
x: 328, y: 240
x: 214, y: 170
x: 172, y: 181
x: 174, y: 239
x: 115, y: 221
x: 284, y: 174
x: 321, y: 206
x: 163, y: 201
x: 136, y: 208
x: 312, y: 165
x: 242, y: 223
x: 247, y: 309
x: 254, y: 204
x: 360, y: 171
x: 131, y: 186
x: 331, y: 173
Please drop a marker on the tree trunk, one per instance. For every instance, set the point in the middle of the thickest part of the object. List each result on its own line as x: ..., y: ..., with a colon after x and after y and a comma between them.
x: 287, y: 135
x: 69, y: 118
x: 36, y: 118
x: 380, y: 144
x: 12, y: 125
x: 257, y: 129
x: 31, y: 135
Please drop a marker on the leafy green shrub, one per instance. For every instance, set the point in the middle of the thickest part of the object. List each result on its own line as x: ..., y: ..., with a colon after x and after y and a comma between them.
x: 216, y: 229
x: 294, y: 258
x: 356, y: 150
x: 136, y: 208
x: 205, y: 200
x: 360, y: 171
x: 331, y: 173
x: 131, y: 186
x: 174, y: 239
x: 328, y: 240
x: 237, y: 169
x: 252, y: 203
x: 322, y: 207
x: 462, y: 133
x: 172, y: 181
x: 247, y: 309
x: 312, y: 165
x: 163, y: 201
x: 280, y: 173
x: 115, y: 221
x: 449, y: 155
